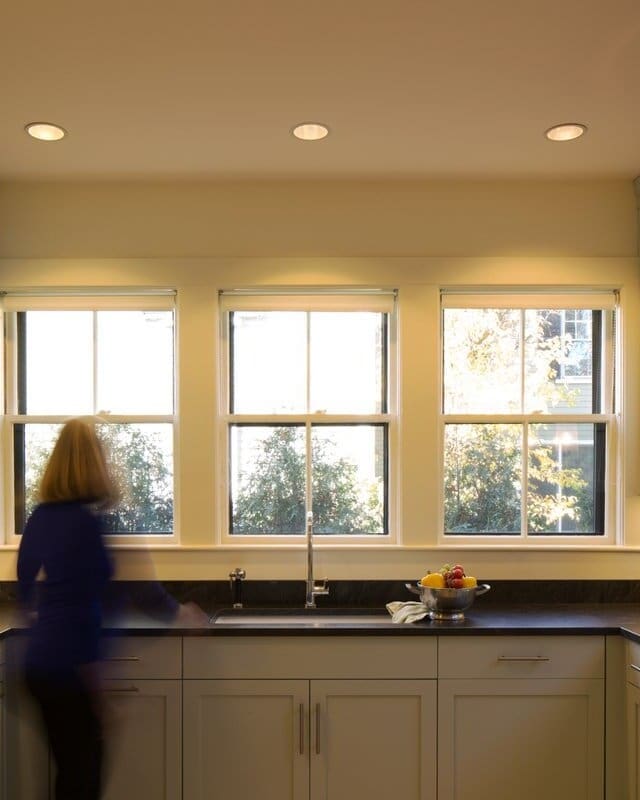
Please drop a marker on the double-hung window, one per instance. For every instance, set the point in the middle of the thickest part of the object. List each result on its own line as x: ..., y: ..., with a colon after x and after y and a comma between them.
x: 105, y: 356
x: 307, y: 422
x: 528, y: 417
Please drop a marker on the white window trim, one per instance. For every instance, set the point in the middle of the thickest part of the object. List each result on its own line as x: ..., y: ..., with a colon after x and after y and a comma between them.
x: 614, y: 478
x: 78, y: 299
x: 380, y: 301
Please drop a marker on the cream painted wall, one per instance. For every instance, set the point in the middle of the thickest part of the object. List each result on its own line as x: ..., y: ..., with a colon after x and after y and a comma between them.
x: 415, y: 237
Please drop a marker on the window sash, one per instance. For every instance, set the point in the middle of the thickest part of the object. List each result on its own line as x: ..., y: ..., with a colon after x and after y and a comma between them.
x: 377, y: 301
x: 15, y: 410
x: 603, y: 399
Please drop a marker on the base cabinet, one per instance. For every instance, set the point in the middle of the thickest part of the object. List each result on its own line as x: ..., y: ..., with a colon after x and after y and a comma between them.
x: 521, y: 717
x: 143, y: 742
x: 317, y: 740
x: 633, y: 740
x: 633, y: 719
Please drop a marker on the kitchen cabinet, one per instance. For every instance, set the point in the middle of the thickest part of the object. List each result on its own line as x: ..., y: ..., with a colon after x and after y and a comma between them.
x: 2, y: 724
x: 246, y: 738
x: 521, y: 717
x: 310, y: 718
x: 143, y: 703
x: 26, y: 752
x: 633, y: 719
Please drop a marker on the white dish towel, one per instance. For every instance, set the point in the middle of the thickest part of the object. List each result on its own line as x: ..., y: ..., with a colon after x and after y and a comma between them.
x: 407, y: 612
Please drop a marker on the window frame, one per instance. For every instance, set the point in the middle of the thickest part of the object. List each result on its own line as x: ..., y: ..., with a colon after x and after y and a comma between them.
x: 78, y: 300
x: 382, y: 300
x: 609, y: 302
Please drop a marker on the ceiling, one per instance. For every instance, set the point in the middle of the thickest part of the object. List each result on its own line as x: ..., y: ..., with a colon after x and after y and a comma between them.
x: 409, y: 88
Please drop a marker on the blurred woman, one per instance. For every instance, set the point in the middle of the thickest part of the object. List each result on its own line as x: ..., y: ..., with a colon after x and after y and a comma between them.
x: 63, y: 540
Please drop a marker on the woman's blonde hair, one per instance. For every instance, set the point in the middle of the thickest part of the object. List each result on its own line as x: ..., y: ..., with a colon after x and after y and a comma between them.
x: 77, y: 469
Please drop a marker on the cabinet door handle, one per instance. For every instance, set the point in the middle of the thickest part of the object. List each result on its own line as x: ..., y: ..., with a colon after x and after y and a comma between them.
x: 301, y: 731
x: 317, y: 729
x: 523, y: 658
x: 633, y: 666
x: 122, y: 690
x: 123, y: 658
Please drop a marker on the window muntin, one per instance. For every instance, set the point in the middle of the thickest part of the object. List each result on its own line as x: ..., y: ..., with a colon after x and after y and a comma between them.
x: 115, y: 362
x: 527, y: 419
x: 307, y: 419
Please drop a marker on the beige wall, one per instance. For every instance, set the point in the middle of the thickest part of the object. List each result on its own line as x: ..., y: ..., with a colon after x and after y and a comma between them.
x: 200, y: 237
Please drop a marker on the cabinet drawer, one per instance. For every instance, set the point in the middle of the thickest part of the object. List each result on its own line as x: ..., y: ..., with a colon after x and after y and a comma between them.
x: 130, y: 657
x: 309, y: 657
x: 521, y: 657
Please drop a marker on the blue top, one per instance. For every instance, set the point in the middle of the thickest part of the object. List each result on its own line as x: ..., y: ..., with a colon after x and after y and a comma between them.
x: 65, y: 541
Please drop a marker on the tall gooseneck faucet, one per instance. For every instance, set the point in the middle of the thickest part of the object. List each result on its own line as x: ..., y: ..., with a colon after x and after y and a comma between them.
x: 313, y: 587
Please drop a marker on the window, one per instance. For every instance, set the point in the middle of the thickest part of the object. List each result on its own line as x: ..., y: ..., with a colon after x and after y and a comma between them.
x: 528, y: 421
x: 307, y: 413
x: 110, y: 356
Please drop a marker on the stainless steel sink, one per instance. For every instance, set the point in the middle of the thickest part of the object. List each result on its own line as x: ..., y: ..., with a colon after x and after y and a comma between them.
x: 293, y: 618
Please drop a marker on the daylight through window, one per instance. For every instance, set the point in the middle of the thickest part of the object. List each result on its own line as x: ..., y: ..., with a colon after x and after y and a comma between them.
x: 307, y: 413
x: 528, y: 415
x: 105, y: 356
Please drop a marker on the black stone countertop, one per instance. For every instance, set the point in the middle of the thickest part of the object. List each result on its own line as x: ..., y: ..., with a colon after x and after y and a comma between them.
x: 535, y: 619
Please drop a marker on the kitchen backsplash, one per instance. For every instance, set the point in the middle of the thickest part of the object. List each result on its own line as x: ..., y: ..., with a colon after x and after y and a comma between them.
x: 211, y: 595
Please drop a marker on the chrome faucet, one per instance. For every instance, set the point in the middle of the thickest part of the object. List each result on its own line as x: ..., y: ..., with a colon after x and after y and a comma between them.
x: 313, y: 587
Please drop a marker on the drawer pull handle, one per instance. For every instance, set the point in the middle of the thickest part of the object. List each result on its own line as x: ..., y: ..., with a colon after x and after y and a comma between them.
x: 301, y: 733
x: 123, y: 658
x: 633, y: 666
x: 524, y: 658
x: 317, y: 729
x: 122, y: 690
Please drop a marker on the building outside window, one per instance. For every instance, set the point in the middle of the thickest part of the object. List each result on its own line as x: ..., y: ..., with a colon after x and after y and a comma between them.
x: 307, y: 414
x: 528, y: 416
x: 104, y: 356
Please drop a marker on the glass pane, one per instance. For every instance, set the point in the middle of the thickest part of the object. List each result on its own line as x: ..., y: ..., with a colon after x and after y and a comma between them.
x: 141, y: 456
x: 135, y: 362
x: 33, y: 444
x: 347, y: 362
x: 268, y: 479
x: 349, y: 468
x: 268, y: 362
x: 559, y: 361
x: 59, y: 362
x: 482, y: 479
x: 566, y: 478
x: 482, y: 366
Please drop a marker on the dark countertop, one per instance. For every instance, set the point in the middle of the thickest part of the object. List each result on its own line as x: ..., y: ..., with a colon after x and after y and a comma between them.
x: 567, y: 619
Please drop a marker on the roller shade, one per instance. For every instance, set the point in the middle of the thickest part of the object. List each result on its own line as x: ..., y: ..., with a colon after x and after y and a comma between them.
x: 600, y: 300
x: 381, y: 301
x: 36, y: 300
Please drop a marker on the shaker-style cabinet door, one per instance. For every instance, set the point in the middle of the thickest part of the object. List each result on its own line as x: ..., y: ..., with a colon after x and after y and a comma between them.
x: 143, y: 746
x: 246, y: 739
x: 524, y: 738
x: 373, y: 739
x: 633, y: 740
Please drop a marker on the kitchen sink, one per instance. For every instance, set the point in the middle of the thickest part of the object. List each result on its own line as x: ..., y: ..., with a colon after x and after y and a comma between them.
x: 300, y: 618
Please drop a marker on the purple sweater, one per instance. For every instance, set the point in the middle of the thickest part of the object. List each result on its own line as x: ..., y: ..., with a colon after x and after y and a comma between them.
x: 65, y: 541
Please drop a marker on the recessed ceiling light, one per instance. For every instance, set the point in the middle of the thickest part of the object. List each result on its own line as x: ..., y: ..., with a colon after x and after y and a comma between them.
x: 565, y: 132
x: 45, y: 131
x: 310, y: 131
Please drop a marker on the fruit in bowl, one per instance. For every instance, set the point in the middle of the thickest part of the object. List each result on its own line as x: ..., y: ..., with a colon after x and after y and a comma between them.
x: 448, y: 577
x: 448, y: 592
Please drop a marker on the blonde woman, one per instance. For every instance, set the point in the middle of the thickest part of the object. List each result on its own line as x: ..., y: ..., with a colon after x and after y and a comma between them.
x: 63, y: 539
